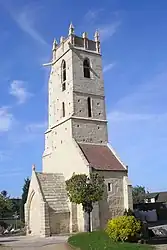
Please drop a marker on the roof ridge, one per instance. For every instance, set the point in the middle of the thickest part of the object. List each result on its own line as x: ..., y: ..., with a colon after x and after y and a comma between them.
x: 49, y: 173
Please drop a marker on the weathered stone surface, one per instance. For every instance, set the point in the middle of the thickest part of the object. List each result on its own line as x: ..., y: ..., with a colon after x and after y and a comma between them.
x: 54, y: 190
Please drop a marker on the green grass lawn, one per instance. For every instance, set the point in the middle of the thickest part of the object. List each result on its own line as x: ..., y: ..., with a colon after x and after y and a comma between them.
x: 99, y: 241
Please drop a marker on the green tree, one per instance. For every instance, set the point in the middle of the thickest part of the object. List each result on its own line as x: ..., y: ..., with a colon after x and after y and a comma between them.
x: 84, y: 190
x: 139, y: 194
x: 16, y: 205
x: 24, y: 196
x: 4, y: 193
x: 5, y: 204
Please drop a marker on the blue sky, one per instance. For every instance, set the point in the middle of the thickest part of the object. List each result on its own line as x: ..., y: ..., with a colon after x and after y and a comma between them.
x: 134, y: 47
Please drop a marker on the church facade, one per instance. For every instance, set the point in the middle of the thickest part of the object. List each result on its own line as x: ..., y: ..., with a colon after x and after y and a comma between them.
x: 76, y: 141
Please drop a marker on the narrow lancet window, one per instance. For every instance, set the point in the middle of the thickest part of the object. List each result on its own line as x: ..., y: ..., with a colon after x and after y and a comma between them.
x: 86, y: 67
x: 89, y: 107
x: 63, y: 109
x: 63, y: 75
x: 109, y: 187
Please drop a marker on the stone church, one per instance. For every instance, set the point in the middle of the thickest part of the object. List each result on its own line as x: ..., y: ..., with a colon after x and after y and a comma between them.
x: 76, y: 141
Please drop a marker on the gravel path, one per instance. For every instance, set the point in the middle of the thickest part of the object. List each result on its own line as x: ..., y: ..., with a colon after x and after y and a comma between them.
x: 31, y: 243
x: 161, y: 247
x: 48, y: 247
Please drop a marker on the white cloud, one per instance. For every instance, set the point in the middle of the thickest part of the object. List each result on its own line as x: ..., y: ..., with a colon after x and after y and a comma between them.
x: 137, y: 129
x: 119, y: 116
x: 144, y: 103
x: 4, y: 155
x: 108, y: 30
x: 29, y: 133
x: 18, y: 90
x: 26, y: 19
x: 16, y: 172
x: 92, y: 15
x: 93, y: 19
x: 147, y: 97
x: 25, y: 22
x: 36, y: 127
x: 6, y: 119
x: 108, y: 67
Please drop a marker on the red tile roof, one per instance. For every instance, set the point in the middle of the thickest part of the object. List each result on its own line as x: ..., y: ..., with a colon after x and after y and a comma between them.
x: 100, y: 157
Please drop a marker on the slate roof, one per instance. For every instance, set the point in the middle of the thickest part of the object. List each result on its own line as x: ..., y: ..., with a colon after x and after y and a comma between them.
x: 151, y: 195
x: 159, y: 196
x: 100, y: 157
x: 54, y: 191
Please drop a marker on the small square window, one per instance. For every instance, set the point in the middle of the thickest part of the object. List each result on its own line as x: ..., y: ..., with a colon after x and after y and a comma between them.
x: 109, y: 187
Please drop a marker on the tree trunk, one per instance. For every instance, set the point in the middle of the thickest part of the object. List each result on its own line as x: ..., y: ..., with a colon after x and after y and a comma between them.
x: 89, y: 222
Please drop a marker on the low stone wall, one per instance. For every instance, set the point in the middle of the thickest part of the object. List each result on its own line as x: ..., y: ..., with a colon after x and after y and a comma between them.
x: 59, y: 223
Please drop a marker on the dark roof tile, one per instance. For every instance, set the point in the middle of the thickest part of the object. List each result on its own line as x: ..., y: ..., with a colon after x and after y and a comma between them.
x: 100, y: 157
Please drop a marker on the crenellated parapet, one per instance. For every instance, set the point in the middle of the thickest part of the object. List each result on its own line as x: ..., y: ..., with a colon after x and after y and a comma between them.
x: 79, y: 42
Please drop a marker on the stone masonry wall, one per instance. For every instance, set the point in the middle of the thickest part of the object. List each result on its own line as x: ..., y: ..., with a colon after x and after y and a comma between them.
x: 113, y: 202
x: 130, y: 197
x: 59, y: 222
x: 89, y: 131
x: 35, y: 215
x: 33, y: 207
x: 45, y: 222
x: 65, y: 158
x: 95, y: 84
x: 74, y: 219
x: 56, y: 95
x: 97, y: 103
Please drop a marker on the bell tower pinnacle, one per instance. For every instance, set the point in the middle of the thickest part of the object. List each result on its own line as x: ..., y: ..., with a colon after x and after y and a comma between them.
x: 71, y: 29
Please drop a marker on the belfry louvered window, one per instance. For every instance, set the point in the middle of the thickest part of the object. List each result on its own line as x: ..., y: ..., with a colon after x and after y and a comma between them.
x: 86, y: 68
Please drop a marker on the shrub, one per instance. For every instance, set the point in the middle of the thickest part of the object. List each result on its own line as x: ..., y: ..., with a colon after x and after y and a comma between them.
x: 123, y: 228
x: 20, y: 224
x: 3, y: 224
x: 128, y: 212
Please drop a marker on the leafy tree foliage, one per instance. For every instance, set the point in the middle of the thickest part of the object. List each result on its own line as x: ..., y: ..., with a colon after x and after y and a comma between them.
x: 139, y: 194
x: 16, y: 205
x: 24, y: 195
x: 5, y: 203
x: 4, y: 193
x: 128, y: 212
x: 85, y: 191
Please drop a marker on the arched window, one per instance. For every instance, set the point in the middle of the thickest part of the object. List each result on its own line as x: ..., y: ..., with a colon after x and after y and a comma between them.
x: 63, y: 109
x: 89, y: 107
x: 86, y: 68
x: 63, y: 69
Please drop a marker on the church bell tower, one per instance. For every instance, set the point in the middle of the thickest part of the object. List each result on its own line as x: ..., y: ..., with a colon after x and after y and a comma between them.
x: 76, y: 106
x: 76, y: 141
